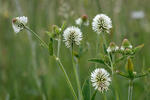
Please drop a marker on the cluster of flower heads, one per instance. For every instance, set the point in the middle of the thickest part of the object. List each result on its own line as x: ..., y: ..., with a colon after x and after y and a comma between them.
x: 126, y: 48
x: 82, y: 20
x: 100, y: 79
x: 101, y: 23
x: 72, y: 35
x: 18, y: 23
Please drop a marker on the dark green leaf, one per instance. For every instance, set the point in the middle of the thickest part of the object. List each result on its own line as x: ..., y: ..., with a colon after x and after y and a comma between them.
x: 96, y: 60
x: 86, y: 90
x: 94, y: 94
x: 105, y: 49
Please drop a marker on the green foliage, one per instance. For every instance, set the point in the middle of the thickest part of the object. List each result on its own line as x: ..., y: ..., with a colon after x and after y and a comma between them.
x: 86, y: 90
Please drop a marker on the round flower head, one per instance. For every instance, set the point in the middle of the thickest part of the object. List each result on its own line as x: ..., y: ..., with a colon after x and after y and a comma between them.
x: 82, y: 20
x: 101, y: 23
x: 100, y: 79
x: 72, y: 35
x: 18, y: 23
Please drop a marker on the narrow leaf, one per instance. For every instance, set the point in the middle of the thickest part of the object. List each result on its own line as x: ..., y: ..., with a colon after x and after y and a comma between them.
x: 86, y: 91
x: 94, y: 94
x: 96, y: 60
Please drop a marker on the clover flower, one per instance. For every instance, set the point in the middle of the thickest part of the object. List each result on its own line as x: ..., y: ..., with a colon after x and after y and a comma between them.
x: 72, y: 35
x: 112, y: 47
x: 126, y: 44
x: 101, y: 23
x: 100, y: 79
x: 82, y: 20
x: 18, y: 23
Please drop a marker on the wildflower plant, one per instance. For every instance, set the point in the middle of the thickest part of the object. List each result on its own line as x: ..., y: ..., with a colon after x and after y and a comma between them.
x: 100, y: 78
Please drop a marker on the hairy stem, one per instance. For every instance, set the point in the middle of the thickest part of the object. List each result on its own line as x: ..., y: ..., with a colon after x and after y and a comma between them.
x: 130, y: 89
x: 58, y: 46
x: 43, y: 43
x: 76, y: 75
x: 110, y: 60
x: 58, y: 61
x: 66, y: 76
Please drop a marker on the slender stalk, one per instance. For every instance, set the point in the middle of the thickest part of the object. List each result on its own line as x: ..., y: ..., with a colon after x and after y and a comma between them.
x: 58, y: 46
x: 58, y: 61
x: 97, y: 47
x: 67, y: 78
x: 111, y: 63
x: 130, y: 90
x: 76, y: 75
x: 44, y: 44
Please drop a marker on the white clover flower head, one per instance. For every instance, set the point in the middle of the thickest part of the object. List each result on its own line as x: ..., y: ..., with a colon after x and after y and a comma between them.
x: 78, y: 21
x: 100, y: 79
x: 101, y: 23
x: 18, y: 23
x: 72, y: 35
x: 112, y: 47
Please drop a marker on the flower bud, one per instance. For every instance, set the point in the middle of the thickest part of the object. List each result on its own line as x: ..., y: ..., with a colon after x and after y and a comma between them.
x: 56, y: 29
x: 83, y: 20
x: 112, y: 47
x: 126, y: 44
x: 130, y: 68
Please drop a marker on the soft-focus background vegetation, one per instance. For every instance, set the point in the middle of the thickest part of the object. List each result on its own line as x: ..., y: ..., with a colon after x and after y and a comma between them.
x: 27, y: 71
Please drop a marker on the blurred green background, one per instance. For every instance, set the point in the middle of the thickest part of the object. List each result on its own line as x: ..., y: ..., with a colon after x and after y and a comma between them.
x: 27, y: 72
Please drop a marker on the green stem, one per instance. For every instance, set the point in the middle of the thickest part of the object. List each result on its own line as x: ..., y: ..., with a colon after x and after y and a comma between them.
x: 76, y: 76
x: 35, y: 34
x: 58, y: 46
x: 111, y: 63
x: 57, y: 59
x: 66, y: 76
x: 130, y: 90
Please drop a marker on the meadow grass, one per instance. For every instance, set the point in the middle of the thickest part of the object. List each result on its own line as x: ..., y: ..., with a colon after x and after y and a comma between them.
x: 27, y: 72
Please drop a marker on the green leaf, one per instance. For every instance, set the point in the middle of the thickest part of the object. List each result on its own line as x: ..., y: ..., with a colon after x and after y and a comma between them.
x: 139, y: 47
x: 63, y: 26
x: 94, y: 94
x: 96, y: 60
x: 86, y: 91
x: 105, y: 48
x: 51, y: 46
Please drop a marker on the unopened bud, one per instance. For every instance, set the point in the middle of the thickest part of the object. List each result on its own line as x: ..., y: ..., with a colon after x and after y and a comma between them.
x: 126, y: 44
x: 129, y: 67
x: 112, y: 47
